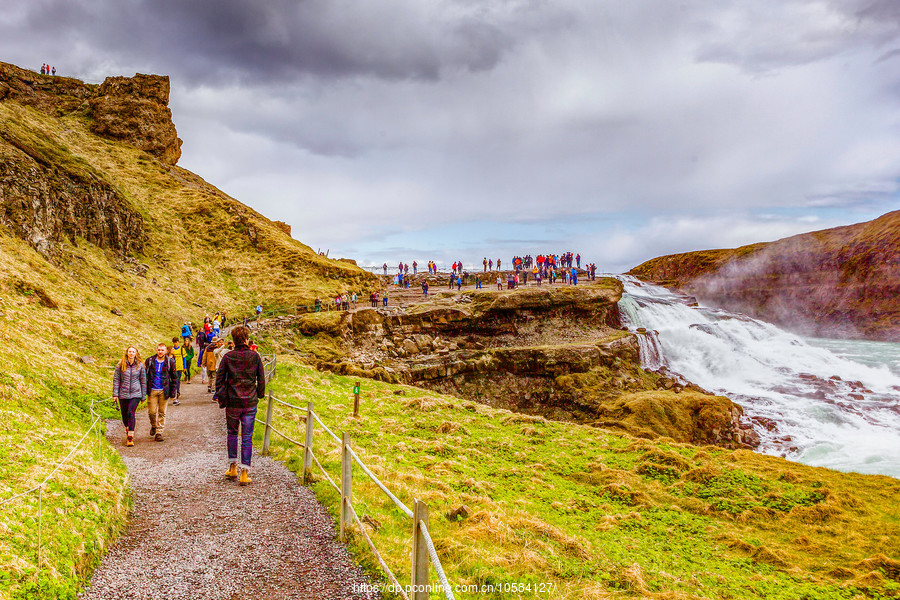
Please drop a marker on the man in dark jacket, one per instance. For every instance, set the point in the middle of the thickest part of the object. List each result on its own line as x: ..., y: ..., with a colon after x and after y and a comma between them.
x: 161, y: 380
x: 240, y: 384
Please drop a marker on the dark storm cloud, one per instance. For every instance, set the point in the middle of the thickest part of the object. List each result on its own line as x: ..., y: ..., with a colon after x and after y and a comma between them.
x: 506, y: 121
x: 271, y: 42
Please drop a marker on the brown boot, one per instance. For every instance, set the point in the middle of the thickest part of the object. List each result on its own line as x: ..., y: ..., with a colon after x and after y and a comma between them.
x: 232, y: 473
x: 245, y: 477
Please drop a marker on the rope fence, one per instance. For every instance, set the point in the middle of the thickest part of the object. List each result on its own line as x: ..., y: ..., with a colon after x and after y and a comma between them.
x: 424, y: 553
x: 39, y: 488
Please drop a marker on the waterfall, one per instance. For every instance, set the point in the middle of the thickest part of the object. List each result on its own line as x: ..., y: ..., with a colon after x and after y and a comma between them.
x: 808, y: 403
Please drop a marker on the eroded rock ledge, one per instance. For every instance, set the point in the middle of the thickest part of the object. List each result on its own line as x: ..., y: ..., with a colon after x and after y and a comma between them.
x: 558, y: 352
x: 130, y: 109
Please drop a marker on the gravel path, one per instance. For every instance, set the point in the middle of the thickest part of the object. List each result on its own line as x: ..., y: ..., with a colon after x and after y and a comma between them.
x: 195, y: 535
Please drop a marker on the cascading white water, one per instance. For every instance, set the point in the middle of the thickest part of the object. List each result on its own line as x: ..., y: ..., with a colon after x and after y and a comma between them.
x: 835, y: 403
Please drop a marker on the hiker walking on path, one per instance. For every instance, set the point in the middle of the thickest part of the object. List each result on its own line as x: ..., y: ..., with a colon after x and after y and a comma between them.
x: 186, y: 332
x: 258, y: 314
x: 160, y: 388
x: 202, y: 341
x: 188, y: 358
x: 129, y: 388
x: 177, y: 354
x: 209, y: 363
x: 240, y: 384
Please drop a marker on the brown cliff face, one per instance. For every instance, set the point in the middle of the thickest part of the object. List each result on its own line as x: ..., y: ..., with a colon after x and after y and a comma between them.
x: 135, y: 110
x: 48, y: 196
x: 131, y: 109
x: 841, y: 282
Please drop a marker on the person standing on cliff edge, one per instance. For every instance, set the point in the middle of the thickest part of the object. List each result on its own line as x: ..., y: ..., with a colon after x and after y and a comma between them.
x: 240, y: 385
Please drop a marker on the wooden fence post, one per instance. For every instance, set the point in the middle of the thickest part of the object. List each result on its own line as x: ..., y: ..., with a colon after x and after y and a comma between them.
x: 346, y: 484
x: 356, y: 400
x: 421, y: 560
x: 307, y: 450
x: 268, y: 433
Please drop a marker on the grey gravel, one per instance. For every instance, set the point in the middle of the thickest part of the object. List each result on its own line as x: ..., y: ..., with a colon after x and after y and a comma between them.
x: 195, y: 535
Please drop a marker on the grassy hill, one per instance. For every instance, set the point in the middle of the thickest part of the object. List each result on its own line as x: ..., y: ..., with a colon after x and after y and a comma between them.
x: 589, y: 513
x: 89, y: 293
x: 839, y: 282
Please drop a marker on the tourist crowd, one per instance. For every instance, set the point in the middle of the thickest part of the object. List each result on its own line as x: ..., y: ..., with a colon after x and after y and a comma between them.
x: 232, y: 371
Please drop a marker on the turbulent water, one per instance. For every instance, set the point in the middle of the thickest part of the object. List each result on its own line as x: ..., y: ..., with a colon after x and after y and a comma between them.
x: 832, y: 403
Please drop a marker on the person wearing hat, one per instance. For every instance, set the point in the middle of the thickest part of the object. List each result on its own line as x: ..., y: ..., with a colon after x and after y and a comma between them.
x: 209, y: 361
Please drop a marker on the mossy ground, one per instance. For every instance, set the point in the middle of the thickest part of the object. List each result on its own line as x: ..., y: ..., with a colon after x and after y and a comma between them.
x: 594, y: 513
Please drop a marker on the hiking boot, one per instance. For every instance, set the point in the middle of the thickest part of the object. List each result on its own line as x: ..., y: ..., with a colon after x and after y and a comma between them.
x: 129, y: 440
x: 176, y: 402
x: 152, y: 431
x: 158, y: 437
x: 245, y: 477
x: 232, y: 473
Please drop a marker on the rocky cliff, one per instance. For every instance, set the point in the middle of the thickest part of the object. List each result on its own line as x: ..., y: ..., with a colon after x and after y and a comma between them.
x: 840, y: 282
x: 130, y: 109
x: 553, y: 351
x: 48, y: 195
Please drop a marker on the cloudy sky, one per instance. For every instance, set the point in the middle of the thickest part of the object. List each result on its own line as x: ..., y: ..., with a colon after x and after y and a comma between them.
x: 443, y: 129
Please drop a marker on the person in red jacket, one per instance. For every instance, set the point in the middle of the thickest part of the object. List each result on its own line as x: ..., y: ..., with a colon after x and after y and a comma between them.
x: 240, y: 384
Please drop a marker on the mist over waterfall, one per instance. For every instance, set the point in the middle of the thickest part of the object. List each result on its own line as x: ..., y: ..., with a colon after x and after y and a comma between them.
x: 832, y: 403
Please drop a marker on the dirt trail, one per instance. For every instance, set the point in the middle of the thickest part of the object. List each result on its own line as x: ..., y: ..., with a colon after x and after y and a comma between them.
x: 195, y: 535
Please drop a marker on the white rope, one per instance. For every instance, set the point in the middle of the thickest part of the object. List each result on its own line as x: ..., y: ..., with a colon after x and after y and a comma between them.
x: 384, y: 489
x: 331, y: 433
x: 287, y: 403
x: 325, y: 473
x: 60, y: 464
x: 436, y: 561
x: 384, y: 566
x: 288, y: 438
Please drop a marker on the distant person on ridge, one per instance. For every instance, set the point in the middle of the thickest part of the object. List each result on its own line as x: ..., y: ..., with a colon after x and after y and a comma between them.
x: 160, y: 388
x: 129, y: 388
x: 240, y: 384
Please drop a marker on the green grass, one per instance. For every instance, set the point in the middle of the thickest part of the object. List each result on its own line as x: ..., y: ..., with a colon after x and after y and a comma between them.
x: 83, y: 506
x: 594, y: 513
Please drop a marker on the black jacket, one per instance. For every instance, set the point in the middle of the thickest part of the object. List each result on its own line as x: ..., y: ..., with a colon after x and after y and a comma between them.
x: 169, y: 376
x: 240, y: 379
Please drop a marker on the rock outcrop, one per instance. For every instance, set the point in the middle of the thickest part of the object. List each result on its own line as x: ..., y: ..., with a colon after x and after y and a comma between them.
x: 47, y: 196
x: 557, y: 352
x: 131, y: 109
x: 841, y: 282
x: 135, y: 110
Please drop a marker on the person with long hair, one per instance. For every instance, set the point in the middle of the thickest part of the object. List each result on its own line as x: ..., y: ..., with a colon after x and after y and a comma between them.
x: 129, y: 388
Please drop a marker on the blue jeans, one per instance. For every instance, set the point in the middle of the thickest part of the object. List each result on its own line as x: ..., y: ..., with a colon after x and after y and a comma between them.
x: 244, y: 418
